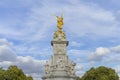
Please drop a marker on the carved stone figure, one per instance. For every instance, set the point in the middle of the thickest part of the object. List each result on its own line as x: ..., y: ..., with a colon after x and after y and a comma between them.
x: 60, y: 63
x: 47, y: 68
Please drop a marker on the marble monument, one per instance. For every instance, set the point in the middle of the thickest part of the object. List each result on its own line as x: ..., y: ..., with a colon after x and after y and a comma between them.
x: 59, y: 67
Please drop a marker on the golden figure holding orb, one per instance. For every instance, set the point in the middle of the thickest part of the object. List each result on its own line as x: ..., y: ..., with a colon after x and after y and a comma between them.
x: 60, y: 22
x: 59, y: 34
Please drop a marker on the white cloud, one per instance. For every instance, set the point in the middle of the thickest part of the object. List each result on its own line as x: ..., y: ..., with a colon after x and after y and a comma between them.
x: 116, y: 49
x: 30, y: 65
x: 117, y: 69
x: 5, y: 42
x: 104, y: 56
x: 37, y: 76
x: 82, y: 20
x: 112, y: 59
x: 27, y: 63
x: 103, y: 51
x: 79, y: 69
x: 76, y: 44
x: 78, y: 56
x: 6, y: 52
x: 99, y: 53
x: 5, y: 64
x: 75, y: 53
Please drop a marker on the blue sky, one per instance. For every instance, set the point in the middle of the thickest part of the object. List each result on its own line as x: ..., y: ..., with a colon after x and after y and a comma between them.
x: 91, y: 26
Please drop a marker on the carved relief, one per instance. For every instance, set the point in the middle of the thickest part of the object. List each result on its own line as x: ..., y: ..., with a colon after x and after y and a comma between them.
x: 60, y: 62
x: 47, y: 68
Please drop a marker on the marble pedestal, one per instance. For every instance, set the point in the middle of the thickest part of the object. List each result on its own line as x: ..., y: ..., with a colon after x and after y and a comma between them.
x: 59, y: 67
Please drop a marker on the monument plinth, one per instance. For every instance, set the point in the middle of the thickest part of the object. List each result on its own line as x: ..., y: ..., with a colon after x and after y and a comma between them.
x: 59, y: 67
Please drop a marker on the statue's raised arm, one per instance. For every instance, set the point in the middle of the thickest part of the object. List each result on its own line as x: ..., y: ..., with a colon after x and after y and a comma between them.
x: 59, y: 22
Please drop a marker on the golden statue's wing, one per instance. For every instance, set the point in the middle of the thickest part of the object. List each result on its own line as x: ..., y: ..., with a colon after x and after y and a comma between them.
x: 62, y: 15
x: 56, y: 17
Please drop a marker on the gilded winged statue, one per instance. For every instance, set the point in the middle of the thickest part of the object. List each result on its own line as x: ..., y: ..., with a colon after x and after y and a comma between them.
x: 59, y: 22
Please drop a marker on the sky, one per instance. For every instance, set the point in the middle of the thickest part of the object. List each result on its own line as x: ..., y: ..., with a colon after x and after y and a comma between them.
x: 92, y: 28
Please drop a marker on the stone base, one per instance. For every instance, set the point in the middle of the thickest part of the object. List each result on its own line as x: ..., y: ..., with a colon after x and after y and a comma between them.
x: 59, y: 75
x: 60, y: 78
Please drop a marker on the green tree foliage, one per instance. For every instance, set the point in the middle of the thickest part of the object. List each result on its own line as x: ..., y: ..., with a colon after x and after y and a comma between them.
x: 2, y: 72
x: 29, y: 78
x: 13, y: 73
x: 100, y: 73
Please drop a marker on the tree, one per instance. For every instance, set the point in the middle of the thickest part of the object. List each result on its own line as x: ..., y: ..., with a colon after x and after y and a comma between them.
x: 2, y: 72
x: 29, y: 78
x: 13, y: 73
x: 100, y: 73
